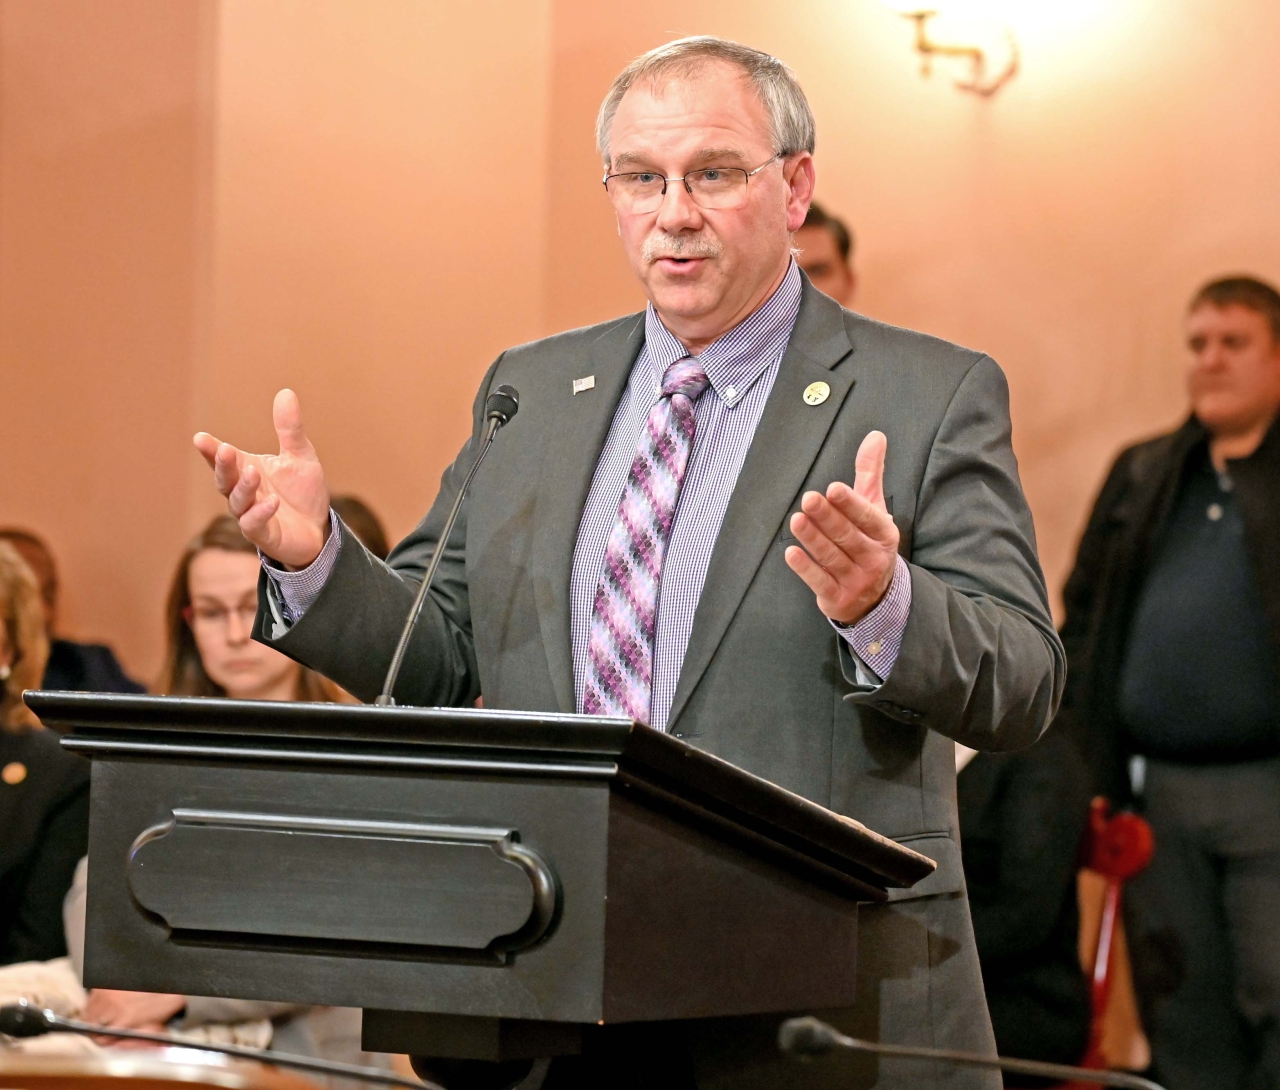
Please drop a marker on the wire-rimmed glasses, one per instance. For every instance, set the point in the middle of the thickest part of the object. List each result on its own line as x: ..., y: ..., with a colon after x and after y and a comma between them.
x: 710, y: 187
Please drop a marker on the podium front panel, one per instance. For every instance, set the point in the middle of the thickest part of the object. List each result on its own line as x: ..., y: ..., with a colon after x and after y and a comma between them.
x: 376, y: 921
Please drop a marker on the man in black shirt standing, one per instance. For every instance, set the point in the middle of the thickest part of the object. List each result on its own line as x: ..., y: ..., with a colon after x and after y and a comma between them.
x: 1173, y: 643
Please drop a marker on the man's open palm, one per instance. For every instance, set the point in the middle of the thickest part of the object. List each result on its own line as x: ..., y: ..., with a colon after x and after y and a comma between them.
x: 848, y: 541
x: 281, y: 500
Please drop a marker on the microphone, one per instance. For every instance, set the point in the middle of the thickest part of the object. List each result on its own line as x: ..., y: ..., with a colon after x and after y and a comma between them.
x: 499, y: 407
x: 24, y: 1019
x: 808, y: 1037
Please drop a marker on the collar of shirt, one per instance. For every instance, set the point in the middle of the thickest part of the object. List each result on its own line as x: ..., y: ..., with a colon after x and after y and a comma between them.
x: 734, y: 361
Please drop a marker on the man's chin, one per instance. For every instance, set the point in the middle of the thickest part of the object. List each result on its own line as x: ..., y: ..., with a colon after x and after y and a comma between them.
x: 683, y: 298
x: 1221, y: 414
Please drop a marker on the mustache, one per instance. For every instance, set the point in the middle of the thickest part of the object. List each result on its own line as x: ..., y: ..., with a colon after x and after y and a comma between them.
x: 660, y: 244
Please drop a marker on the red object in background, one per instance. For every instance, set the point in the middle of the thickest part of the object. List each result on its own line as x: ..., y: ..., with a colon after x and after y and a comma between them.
x: 1116, y: 847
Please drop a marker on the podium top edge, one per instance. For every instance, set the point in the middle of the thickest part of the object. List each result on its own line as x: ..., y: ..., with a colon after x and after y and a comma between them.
x: 586, y: 734
x: 630, y: 750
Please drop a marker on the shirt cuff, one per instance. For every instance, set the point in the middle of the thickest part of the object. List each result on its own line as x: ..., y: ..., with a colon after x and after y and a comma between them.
x: 297, y: 590
x: 876, y: 639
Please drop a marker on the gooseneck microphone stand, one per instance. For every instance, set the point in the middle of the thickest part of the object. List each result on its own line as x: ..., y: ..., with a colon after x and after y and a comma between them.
x: 499, y: 408
x: 812, y: 1037
x: 23, y: 1019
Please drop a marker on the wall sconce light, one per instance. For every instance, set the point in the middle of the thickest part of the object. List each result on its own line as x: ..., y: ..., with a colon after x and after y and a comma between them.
x: 990, y: 66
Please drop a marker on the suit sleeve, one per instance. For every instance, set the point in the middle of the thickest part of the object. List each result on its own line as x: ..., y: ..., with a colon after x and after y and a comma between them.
x: 349, y: 632
x: 980, y: 660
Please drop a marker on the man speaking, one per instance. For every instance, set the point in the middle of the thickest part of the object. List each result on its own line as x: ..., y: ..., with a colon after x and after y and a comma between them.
x: 669, y: 531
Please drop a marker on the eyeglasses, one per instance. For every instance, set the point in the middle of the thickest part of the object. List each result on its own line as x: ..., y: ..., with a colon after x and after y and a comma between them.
x: 711, y: 187
x: 206, y: 616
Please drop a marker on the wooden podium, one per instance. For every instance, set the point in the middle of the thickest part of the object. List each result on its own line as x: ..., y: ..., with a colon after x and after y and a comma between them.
x: 484, y: 884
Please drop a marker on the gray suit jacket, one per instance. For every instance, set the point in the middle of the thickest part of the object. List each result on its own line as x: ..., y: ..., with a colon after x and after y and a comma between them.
x: 766, y: 683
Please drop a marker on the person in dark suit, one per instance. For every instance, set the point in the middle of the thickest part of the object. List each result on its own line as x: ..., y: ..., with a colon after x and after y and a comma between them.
x: 44, y: 792
x: 1022, y: 817
x: 831, y: 637
x: 72, y: 667
x: 1173, y: 635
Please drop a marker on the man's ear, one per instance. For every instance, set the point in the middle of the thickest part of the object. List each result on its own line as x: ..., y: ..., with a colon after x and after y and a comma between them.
x: 801, y: 177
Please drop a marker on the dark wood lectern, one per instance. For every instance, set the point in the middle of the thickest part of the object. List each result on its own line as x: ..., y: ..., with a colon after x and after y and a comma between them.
x: 484, y: 884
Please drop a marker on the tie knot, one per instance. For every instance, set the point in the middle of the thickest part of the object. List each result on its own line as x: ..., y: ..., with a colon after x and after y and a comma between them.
x: 686, y: 377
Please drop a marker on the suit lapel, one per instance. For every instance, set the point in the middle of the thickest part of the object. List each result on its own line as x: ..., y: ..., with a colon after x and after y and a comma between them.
x: 787, y: 440
x: 570, y: 461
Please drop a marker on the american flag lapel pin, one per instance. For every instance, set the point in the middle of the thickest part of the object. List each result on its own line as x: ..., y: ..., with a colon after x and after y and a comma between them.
x: 586, y: 383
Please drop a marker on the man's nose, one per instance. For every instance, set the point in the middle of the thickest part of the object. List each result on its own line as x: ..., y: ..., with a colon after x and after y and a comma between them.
x: 677, y: 211
x: 1212, y: 357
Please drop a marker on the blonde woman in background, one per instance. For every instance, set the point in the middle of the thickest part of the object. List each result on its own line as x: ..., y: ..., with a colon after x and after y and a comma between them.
x: 44, y: 791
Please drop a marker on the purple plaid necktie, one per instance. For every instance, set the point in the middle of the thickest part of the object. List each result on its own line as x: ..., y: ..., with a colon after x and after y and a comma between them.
x: 620, y: 668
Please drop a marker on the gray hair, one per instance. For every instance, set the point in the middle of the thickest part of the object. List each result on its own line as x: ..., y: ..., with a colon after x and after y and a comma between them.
x: 790, y: 119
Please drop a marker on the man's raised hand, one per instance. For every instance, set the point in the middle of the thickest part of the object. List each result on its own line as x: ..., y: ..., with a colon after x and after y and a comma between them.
x: 281, y: 500
x: 850, y: 542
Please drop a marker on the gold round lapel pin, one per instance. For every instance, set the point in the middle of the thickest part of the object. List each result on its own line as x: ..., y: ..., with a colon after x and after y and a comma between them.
x: 816, y: 393
x: 13, y: 773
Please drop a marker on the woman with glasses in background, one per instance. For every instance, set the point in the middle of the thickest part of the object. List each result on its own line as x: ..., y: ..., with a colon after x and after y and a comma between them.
x: 209, y: 627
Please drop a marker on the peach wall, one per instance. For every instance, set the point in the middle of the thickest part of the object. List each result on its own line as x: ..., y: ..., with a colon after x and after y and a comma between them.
x: 100, y: 126
x: 380, y: 175
x: 203, y: 200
